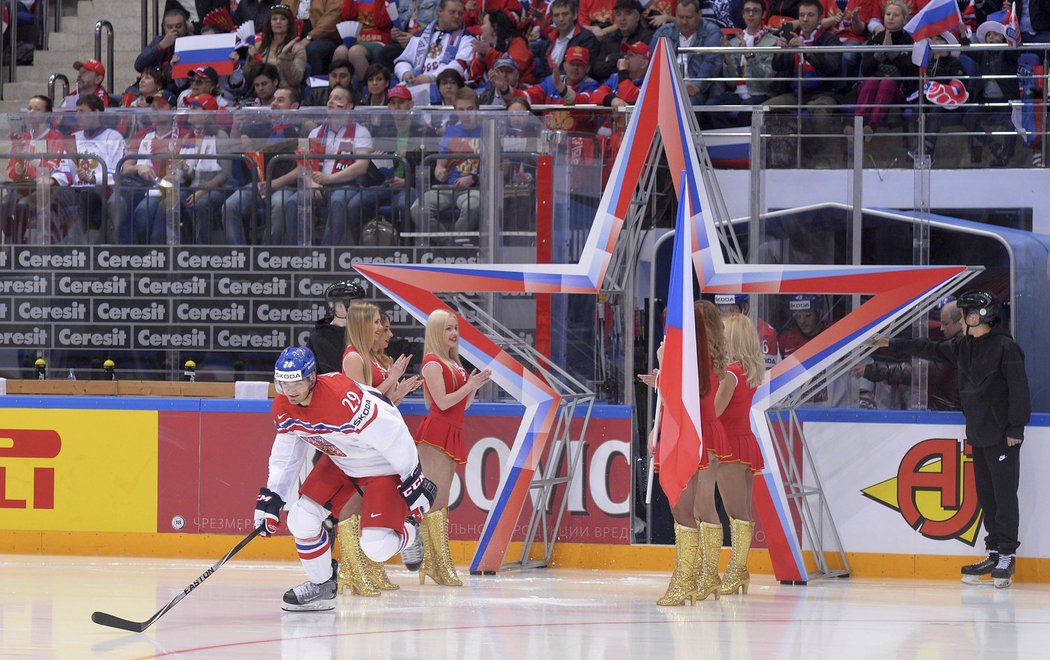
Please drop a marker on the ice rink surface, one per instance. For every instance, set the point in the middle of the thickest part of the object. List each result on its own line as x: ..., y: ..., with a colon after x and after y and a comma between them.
x: 46, y: 605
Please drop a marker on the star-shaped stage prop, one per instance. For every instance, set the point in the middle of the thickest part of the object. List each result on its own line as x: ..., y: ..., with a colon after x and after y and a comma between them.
x: 661, y: 106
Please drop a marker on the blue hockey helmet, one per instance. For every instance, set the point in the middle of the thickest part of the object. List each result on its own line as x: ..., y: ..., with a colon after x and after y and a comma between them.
x: 806, y: 302
x: 294, y: 364
x: 740, y: 300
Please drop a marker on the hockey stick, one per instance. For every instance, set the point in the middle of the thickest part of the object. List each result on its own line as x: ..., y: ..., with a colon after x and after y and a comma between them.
x: 103, y: 619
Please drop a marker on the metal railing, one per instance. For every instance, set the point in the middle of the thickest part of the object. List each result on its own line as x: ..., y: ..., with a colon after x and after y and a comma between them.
x: 108, y: 27
x: 54, y: 78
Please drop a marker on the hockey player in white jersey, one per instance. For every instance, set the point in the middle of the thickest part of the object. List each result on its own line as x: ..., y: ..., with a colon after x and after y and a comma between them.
x: 367, y: 438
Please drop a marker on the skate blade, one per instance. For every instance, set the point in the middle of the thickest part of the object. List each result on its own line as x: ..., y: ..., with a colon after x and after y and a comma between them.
x: 975, y: 579
x: 1002, y: 583
x: 322, y: 606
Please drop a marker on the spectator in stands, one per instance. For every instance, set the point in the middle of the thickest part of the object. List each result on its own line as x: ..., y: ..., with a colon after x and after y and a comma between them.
x: 444, y: 89
x: 139, y: 177
x: 375, y: 33
x: 598, y: 17
x: 994, y: 88
x: 442, y: 45
x: 251, y: 10
x: 140, y: 95
x: 624, y: 86
x: 281, y: 46
x: 160, y: 51
x: 336, y: 179
x: 850, y: 23
x: 323, y: 37
x: 629, y: 30
x: 282, y: 138
x: 783, y: 10
x: 499, y: 40
x: 564, y: 34
x: 399, y: 189
x: 204, y: 81
x: 558, y: 88
x: 264, y: 86
x: 203, y: 190
x: 690, y: 30
x: 945, y: 68
x: 37, y: 135
x: 340, y: 74
x: 460, y: 175
x: 86, y: 176
x: 807, y: 321
x: 377, y: 82
x: 723, y: 13
x: 817, y: 89
x: 90, y: 74
x: 753, y: 71
x: 1035, y: 21
x: 504, y: 83
x: 414, y: 15
x: 885, y: 74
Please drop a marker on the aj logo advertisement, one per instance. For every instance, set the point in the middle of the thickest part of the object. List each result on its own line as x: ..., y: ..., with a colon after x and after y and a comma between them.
x: 934, y: 491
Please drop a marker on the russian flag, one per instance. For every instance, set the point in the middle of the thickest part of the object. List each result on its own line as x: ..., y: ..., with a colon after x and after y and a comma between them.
x: 936, y: 17
x: 206, y: 50
x: 678, y: 451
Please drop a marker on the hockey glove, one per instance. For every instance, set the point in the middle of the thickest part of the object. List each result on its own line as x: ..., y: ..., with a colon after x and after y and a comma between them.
x: 268, y: 511
x: 418, y: 491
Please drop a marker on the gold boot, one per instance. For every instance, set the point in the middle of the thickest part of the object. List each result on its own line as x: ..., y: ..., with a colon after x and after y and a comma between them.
x: 429, y: 569
x: 710, y: 550
x: 437, y: 522
x: 736, y: 576
x: 352, y: 572
x: 376, y: 572
x: 686, y: 567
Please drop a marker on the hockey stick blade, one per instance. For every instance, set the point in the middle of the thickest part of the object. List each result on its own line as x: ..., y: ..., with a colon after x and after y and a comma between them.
x: 103, y: 619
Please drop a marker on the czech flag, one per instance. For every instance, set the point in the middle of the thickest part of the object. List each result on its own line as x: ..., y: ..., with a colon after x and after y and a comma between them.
x: 206, y: 50
x: 680, y: 444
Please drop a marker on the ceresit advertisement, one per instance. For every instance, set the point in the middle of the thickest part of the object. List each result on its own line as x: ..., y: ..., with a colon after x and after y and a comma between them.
x: 903, y: 483
x: 78, y: 470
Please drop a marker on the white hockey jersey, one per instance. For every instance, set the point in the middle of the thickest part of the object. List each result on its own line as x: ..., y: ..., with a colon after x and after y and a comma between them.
x: 362, y: 433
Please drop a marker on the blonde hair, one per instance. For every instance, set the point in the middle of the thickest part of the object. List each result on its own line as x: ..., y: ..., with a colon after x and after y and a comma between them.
x: 360, y: 334
x: 716, y: 338
x: 384, y: 359
x: 434, y: 342
x: 905, y: 8
x: 743, y: 346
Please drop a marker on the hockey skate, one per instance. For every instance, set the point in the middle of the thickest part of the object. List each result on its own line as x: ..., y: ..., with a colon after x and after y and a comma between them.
x: 974, y: 573
x: 310, y: 597
x: 1003, y: 573
x: 412, y: 554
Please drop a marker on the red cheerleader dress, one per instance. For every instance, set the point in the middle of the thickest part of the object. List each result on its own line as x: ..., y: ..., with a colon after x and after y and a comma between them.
x: 738, y: 444
x: 444, y: 428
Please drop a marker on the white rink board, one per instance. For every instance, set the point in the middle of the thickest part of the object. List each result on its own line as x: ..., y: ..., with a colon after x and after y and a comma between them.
x: 856, y: 450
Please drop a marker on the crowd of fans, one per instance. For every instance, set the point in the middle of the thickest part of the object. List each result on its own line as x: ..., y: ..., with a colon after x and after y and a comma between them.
x: 464, y: 54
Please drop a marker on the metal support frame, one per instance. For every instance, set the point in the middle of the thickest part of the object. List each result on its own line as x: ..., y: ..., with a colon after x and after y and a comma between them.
x: 802, y: 483
x: 577, y: 401
x: 108, y: 27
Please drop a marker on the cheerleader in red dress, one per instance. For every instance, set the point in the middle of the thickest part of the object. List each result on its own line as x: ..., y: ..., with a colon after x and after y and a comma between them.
x: 448, y: 391
x: 329, y: 485
x: 737, y: 452
x: 698, y: 532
